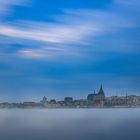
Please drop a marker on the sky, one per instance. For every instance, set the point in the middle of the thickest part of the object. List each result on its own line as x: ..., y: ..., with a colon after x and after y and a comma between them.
x: 58, y: 48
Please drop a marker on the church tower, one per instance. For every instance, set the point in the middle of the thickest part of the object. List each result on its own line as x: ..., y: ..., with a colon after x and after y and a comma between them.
x: 101, y: 95
x: 101, y: 92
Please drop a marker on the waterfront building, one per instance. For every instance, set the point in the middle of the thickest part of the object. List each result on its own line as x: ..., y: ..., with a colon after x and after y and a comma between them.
x: 97, y: 98
x: 80, y: 103
x: 52, y: 101
x: 44, y: 100
x: 30, y: 105
x: 68, y: 99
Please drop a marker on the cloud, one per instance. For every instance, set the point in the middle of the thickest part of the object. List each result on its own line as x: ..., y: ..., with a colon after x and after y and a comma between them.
x: 39, y: 53
x: 5, y: 5
x: 53, y: 33
x: 73, y: 27
x: 84, y: 25
x: 128, y: 4
x: 48, y: 52
x: 34, y: 53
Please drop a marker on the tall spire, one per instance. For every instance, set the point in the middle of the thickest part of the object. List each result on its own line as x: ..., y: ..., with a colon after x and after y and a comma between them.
x: 101, y: 92
x: 101, y: 87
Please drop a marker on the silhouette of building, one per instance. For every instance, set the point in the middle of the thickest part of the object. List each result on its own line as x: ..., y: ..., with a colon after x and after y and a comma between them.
x: 68, y: 99
x: 44, y: 100
x: 52, y: 101
x: 97, y: 98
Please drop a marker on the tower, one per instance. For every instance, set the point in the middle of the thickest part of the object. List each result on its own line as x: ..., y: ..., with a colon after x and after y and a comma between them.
x: 44, y: 100
x: 101, y: 95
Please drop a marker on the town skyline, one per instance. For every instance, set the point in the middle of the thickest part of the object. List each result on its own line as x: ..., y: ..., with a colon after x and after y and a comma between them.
x: 70, y: 95
x: 93, y: 100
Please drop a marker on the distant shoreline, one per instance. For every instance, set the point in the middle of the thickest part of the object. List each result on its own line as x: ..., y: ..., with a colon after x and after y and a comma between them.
x: 45, y: 108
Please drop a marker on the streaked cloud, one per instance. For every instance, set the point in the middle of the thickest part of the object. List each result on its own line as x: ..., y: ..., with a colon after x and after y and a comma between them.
x: 5, y: 5
x: 40, y: 53
x: 53, y: 33
x: 128, y: 2
x: 73, y: 27
x: 75, y: 30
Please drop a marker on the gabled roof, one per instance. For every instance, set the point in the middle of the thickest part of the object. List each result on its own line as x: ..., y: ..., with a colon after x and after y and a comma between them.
x: 101, y: 92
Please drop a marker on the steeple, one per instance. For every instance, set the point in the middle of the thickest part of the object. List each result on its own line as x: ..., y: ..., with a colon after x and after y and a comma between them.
x: 101, y: 92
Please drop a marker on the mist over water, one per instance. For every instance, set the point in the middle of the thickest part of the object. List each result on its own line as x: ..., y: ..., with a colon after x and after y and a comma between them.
x: 70, y: 124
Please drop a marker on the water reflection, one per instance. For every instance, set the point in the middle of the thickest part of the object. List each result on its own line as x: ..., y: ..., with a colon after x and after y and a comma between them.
x: 70, y: 124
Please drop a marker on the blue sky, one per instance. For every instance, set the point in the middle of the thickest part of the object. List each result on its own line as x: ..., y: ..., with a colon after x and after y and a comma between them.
x: 63, y: 48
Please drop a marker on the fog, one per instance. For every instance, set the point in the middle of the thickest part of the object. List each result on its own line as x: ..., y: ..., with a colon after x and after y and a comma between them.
x: 70, y: 124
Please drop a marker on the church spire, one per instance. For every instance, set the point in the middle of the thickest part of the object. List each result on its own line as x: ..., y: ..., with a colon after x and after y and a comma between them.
x: 101, y: 87
x: 101, y: 92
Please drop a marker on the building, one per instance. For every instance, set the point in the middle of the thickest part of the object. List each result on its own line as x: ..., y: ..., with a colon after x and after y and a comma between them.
x: 97, y: 98
x: 44, y: 100
x: 30, y: 104
x: 80, y: 103
x: 68, y: 99
x: 52, y: 101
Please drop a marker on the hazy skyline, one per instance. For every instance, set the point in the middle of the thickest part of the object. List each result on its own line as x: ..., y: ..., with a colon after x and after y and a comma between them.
x: 59, y: 48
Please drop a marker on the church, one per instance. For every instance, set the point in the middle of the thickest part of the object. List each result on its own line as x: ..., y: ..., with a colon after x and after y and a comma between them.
x: 97, y: 98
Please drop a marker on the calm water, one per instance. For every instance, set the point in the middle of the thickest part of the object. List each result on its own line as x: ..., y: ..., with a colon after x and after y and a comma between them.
x: 70, y: 124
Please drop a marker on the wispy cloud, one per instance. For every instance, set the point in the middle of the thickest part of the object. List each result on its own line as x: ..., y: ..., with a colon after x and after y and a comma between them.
x: 53, y: 33
x: 41, y: 53
x: 128, y: 2
x: 84, y: 25
x: 73, y: 27
x: 5, y: 5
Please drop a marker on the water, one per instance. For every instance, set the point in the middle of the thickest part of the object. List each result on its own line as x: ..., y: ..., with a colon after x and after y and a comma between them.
x: 70, y: 124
